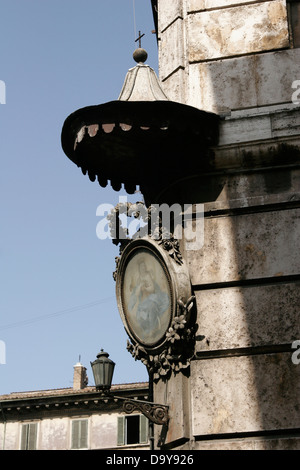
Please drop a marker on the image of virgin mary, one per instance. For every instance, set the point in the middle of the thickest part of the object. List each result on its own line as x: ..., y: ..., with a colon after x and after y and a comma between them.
x: 148, y: 303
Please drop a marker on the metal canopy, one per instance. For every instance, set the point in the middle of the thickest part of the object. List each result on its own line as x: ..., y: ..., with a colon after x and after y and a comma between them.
x: 132, y: 142
x: 142, y: 139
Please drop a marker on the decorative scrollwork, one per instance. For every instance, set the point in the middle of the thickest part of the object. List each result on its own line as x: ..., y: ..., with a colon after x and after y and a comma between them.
x: 171, y: 245
x: 178, y: 330
x: 178, y: 348
x: 158, y: 414
x: 153, y: 228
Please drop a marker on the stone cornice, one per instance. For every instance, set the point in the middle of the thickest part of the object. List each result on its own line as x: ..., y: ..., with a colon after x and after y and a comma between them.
x: 66, y: 402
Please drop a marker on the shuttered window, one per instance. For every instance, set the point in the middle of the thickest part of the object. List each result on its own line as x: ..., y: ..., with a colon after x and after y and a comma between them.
x: 144, y: 426
x: 29, y: 436
x: 79, y: 434
x: 121, y: 431
x: 132, y: 430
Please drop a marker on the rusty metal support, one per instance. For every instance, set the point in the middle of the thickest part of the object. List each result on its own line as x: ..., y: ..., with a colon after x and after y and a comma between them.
x: 157, y: 414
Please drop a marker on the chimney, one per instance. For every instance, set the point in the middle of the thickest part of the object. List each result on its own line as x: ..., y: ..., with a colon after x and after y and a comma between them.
x: 80, y: 379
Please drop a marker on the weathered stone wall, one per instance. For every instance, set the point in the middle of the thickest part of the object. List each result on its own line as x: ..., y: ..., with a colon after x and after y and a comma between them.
x: 235, y: 58
x: 247, y: 285
x: 243, y: 384
x: 219, y: 54
x: 55, y: 433
x: 255, y: 393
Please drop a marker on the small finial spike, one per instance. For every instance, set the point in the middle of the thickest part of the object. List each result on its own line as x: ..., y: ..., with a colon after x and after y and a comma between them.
x: 140, y: 39
x: 140, y: 55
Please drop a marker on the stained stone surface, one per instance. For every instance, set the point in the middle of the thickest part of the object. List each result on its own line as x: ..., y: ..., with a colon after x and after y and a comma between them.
x: 245, y: 394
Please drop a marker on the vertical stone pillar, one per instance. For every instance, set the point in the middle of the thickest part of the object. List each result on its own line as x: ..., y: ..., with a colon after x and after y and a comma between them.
x: 238, y: 59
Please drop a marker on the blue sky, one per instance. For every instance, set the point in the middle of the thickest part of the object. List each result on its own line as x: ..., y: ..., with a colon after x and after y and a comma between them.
x: 57, y: 297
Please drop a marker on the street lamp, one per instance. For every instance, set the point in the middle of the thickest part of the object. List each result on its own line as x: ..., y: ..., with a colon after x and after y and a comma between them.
x: 103, y: 369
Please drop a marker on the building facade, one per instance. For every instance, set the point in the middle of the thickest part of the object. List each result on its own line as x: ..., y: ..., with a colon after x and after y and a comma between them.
x: 240, y: 60
x: 73, y: 418
x: 217, y: 323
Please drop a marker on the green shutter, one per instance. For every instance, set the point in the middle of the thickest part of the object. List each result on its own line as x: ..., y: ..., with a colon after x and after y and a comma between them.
x: 32, y: 436
x: 29, y: 436
x: 83, y: 438
x: 79, y: 434
x: 24, y: 436
x: 121, y: 431
x: 75, y: 434
x: 144, y: 425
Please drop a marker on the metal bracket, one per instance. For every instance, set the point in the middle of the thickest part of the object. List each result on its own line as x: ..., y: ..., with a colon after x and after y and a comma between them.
x: 158, y: 414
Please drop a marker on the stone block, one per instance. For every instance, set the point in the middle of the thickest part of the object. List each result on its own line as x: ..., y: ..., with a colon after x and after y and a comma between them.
x: 168, y: 12
x: 286, y: 123
x: 171, y: 58
x: 237, y: 31
x: 260, y: 126
x: 244, y: 82
x: 255, y: 189
x: 244, y: 317
x: 223, y: 85
x: 274, y: 74
x: 201, y: 5
x: 175, y: 87
x: 247, y: 246
x: 245, y: 394
x: 254, y: 443
x: 245, y: 130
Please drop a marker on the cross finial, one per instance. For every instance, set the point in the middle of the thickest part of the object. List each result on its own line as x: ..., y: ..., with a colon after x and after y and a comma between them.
x: 140, y: 39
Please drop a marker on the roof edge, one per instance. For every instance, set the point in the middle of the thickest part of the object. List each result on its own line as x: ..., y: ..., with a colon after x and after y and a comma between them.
x: 155, y: 16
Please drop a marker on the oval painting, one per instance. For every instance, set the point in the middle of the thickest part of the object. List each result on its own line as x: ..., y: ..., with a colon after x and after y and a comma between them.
x: 146, y: 296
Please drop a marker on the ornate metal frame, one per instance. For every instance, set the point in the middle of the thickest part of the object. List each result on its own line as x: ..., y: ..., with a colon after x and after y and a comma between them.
x: 176, y: 347
x: 144, y: 247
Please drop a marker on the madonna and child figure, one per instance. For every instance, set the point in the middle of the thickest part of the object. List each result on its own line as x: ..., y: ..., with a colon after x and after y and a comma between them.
x: 148, y: 297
